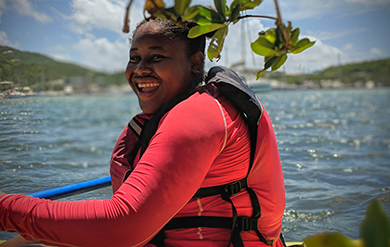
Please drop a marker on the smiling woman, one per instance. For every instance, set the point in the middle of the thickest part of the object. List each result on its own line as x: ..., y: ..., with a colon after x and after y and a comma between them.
x: 180, y: 170
x: 160, y: 68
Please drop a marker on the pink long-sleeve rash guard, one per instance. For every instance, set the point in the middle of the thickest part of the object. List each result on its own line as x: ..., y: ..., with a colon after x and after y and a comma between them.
x: 199, y: 143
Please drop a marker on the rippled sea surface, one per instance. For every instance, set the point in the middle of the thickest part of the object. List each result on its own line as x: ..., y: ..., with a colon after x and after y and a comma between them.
x: 334, y: 146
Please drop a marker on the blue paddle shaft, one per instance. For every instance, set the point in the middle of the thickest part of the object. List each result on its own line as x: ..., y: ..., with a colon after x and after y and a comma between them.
x: 73, y: 189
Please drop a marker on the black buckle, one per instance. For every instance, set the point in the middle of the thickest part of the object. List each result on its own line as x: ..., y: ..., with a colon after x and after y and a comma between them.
x: 233, y: 188
x: 245, y: 224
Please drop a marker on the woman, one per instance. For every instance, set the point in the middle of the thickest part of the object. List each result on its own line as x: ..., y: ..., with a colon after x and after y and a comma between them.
x: 185, y: 139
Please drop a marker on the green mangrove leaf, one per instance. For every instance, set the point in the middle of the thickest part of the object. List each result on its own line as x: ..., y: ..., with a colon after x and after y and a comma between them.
x: 263, y: 47
x: 247, y: 4
x: 375, y: 228
x: 266, y: 59
x: 234, y: 4
x: 279, y: 38
x: 331, y: 239
x: 202, y: 29
x: 279, y: 62
x: 269, y: 61
x: 216, y: 43
x: 234, y: 13
x: 294, y: 36
x: 270, y: 35
x: 201, y: 20
x: 208, y: 14
x: 180, y: 6
x: 191, y: 13
x: 260, y: 73
x: 220, y: 5
x: 302, y: 45
x: 168, y: 13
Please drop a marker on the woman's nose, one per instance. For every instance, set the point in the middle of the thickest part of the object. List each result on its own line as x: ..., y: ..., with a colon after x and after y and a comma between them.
x: 142, y: 68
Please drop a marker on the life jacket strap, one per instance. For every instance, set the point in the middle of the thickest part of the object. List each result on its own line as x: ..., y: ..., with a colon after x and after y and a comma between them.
x: 228, y: 190
x: 243, y: 224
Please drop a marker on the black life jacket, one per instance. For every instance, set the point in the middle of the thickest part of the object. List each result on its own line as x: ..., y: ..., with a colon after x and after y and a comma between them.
x: 241, y: 96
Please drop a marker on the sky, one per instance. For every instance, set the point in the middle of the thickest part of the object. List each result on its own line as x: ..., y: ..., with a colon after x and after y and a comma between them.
x: 89, y: 32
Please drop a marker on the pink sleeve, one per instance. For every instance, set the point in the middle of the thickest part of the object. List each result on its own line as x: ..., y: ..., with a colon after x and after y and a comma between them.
x: 169, y: 173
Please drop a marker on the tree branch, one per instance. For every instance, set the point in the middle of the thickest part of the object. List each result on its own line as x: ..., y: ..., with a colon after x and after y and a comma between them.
x: 257, y: 16
x: 279, y: 23
x: 126, y: 27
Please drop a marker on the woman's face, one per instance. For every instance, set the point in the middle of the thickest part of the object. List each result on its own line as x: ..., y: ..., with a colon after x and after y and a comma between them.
x: 159, y: 69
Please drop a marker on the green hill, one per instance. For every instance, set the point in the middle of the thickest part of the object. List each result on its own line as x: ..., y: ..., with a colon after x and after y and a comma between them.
x: 35, y: 70
x: 377, y: 71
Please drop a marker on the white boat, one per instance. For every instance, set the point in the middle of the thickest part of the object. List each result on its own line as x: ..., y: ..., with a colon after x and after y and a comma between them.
x: 16, y: 94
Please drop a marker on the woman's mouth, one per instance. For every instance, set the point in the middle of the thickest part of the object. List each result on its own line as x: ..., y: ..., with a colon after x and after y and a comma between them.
x: 147, y: 87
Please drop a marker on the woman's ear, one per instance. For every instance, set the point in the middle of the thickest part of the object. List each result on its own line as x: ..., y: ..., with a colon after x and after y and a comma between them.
x: 197, y: 62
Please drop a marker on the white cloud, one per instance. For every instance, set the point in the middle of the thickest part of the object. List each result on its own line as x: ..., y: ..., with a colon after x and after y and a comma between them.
x: 102, y: 54
x: 376, y: 52
x: 88, y: 15
x: 64, y: 57
x: 99, y: 14
x: 25, y: 7
x: 5, y: 41
x: 348, y: 46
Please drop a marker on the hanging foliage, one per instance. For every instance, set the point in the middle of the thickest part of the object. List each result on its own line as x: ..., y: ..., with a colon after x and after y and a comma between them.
x: 273, y: 44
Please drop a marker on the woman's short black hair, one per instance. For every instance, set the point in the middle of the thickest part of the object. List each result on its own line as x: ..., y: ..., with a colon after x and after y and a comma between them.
x: 171, y: 31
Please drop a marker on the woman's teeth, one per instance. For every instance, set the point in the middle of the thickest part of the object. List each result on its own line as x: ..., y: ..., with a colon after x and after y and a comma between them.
x: 147, y: 87
x: 142, y: 85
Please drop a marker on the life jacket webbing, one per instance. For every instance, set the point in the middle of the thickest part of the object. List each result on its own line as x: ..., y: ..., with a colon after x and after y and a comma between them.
x: 231, y: 189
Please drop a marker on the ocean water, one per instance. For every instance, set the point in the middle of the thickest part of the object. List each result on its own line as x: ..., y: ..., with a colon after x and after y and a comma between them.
x: 334, y: 147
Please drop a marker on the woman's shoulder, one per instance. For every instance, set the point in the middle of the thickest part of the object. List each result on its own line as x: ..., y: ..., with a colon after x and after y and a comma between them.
x: 200, y: 103
x: 198, y: 112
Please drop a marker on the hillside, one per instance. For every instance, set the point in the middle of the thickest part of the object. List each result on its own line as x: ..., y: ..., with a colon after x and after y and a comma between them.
x: 375, y: 72
x: 38, y: 71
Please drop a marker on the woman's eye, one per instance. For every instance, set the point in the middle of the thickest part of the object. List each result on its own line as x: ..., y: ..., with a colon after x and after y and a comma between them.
x: 134, y: 59
x: 157, y: 57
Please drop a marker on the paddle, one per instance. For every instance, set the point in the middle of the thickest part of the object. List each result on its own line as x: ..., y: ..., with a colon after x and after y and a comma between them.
x: 73, y: 189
